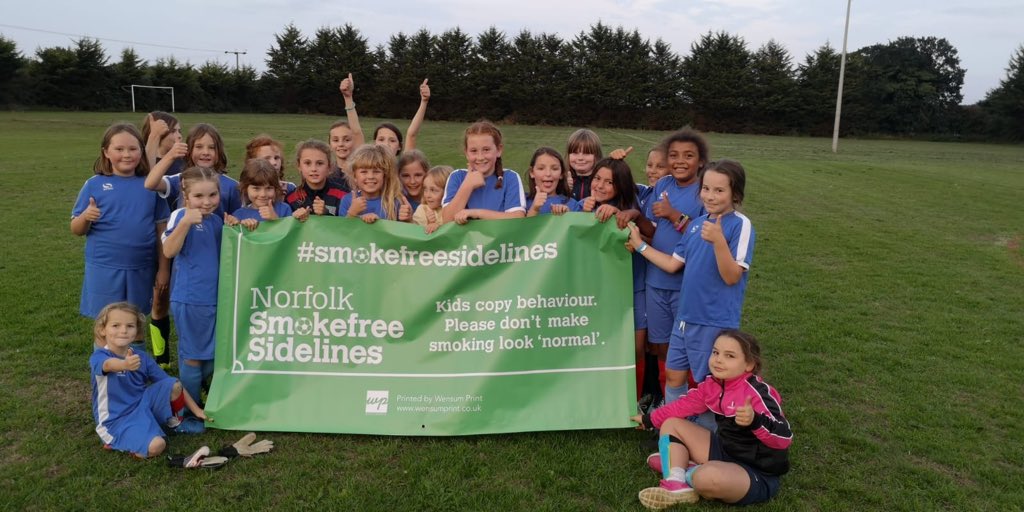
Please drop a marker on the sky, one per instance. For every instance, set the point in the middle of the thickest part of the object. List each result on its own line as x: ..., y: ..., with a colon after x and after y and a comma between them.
x: 985, y: 32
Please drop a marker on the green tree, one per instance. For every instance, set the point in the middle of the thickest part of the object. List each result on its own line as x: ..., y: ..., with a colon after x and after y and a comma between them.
x: 910, y: 85
x: 537, y: 68
x: 188, y: 95
x: 51, y: 72
x: 218, y: 85
x: 288, y: 71
x: 774, y: 89
x: 11, y: 65
x: 332, y: 55
x: 488, y: 78
x: 717, y: 82
x: 452, y: 57
x: 817, y: 81
x: 1005, y: 104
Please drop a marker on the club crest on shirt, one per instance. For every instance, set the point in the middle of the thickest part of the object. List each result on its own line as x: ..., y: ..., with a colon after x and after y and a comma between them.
x: 108, y: 186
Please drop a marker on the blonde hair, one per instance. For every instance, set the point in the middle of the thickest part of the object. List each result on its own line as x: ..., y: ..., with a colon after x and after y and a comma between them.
x: 104, y: 317
x: 372, y: 156
x: 440, y: 173
x: 194, y: 175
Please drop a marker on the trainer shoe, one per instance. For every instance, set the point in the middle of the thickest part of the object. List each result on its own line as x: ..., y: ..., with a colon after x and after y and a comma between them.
x: 669, y: 493
x: 190, y: 425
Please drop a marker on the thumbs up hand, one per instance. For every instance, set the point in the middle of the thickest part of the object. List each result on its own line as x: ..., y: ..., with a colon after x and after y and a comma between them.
x: 358, y: 205
x: 663, y: 208
x: 132, y: 361
x: 711, y: 232
x: 267, y: 212
x: 178, y: 150
x: 620, y: 154
x: 745, y: 414
x: 589, y: 203
x: 424, y: 91
x: 319, y: 206
x: 346, y: 86
x: 405, y: 210
x: 92, y: 212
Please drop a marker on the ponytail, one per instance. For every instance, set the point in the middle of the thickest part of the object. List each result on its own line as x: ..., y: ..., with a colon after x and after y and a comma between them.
x: 499, y: 171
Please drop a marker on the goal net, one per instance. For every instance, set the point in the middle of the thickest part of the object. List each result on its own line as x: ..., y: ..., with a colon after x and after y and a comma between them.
x: 157, y: 87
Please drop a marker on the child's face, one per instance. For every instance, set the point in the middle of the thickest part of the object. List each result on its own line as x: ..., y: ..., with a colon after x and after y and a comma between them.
x: 602, y: 187
x: 727, y: 360
x: 656, y: 167
x: 342, y: 142
x: 683, y: 162
x: 433, y: 193
x: 173, y: 137
x: 370, y: 181
x: 261, y: 195
x: 204, y: 152
x: 204, y: 196
x: 314, y: 166
x: 124, y: 154
x: 546, y: 173
x: 388, y: 139
x: 412, y: 178
x: 482, y: 153
x: 272, y: 155
x: 582, y: 163
x: 716, y: 193
x: 121, y: 328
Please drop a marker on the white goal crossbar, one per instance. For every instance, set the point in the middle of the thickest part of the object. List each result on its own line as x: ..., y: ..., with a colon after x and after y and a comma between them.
x: 152, y: 87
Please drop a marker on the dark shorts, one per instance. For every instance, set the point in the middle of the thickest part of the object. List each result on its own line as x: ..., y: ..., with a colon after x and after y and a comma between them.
x: 762, y: 487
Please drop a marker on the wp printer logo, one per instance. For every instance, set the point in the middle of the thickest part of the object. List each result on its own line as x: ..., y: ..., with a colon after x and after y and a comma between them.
x: 376, y: 402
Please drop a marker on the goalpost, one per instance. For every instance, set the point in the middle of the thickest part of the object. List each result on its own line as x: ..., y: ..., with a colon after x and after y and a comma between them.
x: 152, y: 87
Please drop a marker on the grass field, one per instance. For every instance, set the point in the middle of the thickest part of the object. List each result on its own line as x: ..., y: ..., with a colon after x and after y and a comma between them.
x: 887, y: 289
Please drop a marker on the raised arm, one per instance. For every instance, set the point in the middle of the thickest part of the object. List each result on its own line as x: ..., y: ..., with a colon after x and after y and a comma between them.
x: 417, y: 120
x: 155, y: 178
x: 347, y: 88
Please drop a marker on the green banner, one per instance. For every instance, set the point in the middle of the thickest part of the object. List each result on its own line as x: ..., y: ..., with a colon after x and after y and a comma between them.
x: 334, y: 325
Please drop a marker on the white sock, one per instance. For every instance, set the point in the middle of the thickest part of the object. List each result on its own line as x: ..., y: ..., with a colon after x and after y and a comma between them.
x: 677, y: 473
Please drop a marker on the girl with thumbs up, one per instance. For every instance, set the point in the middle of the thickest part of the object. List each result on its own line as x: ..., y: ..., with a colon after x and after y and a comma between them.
x: 740, y: 463
x: 378, y: 194
x: 120, y: 220
x: 714, y: 255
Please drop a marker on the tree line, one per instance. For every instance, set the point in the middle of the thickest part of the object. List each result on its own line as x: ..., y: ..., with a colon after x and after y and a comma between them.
x: 604, y: 76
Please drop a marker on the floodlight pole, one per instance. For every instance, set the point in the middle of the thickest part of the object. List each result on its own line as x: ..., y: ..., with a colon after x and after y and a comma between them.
x: 237, y: 53
x: 842, y: 74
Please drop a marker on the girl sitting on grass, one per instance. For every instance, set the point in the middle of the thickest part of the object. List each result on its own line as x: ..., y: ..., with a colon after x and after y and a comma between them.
x: 132, y: 397
x: 740, y: 463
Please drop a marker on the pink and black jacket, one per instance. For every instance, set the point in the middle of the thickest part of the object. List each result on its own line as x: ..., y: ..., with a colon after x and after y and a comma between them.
x: 763, y: 444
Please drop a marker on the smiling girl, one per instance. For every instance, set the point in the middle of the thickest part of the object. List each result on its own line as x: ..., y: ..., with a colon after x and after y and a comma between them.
x: 315, y: 195
x: 714, y: 255
x: 377, y: 195
x: 429, y: 214
x: 193, y: 236
x: 485, y: 189
x: 121, y: 221
x: 261, y: 193
x: 740, y: 463
x: 205, y: 148
x: 549, y: 185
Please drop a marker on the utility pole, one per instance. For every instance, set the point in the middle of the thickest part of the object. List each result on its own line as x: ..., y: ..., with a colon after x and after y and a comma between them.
x: 237, y: 53
x: 842, y: 73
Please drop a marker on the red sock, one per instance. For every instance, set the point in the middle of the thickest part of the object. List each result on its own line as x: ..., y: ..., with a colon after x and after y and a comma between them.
x: 692, y: 384
x: 661, y: 374
x: 640, y: 377
x: 178, y: 405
